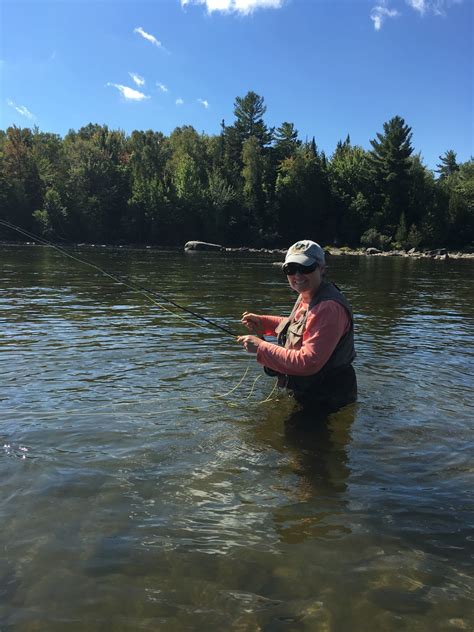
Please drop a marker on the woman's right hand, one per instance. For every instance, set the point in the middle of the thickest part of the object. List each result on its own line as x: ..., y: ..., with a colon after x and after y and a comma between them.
x: 252, y: 322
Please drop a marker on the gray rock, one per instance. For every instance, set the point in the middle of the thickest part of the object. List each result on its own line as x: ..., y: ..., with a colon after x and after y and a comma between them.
x: 372, y: 251
x: 202, y: 245
x: 437, y: 253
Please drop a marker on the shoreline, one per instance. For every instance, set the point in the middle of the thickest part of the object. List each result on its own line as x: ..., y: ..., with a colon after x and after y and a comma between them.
x: 436, y: 253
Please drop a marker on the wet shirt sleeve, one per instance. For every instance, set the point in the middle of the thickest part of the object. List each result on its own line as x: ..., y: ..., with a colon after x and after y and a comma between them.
x: 327, y: 322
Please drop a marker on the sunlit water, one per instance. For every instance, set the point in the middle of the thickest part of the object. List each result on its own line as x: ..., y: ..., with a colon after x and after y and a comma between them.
x: 148, y: 485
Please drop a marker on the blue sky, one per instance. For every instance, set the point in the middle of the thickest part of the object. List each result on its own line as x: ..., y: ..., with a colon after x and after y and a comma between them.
x: 331, y: 67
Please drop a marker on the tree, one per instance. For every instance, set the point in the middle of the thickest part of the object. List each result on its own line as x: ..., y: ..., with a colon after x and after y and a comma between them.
x: 252, y: 174
x: 460, y: 188
x: 224, y: 219
x: 389, y: 162
x: 402, y: 232
x: 302, y: 192
x: 286, y: 141
x: 23, y: 182
x: 249, y: 111
x: 349, y: 181
x: 448, y: 164
x: 97, y: 187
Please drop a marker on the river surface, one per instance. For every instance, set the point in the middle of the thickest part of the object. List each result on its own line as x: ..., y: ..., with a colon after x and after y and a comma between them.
x: 150, y: 478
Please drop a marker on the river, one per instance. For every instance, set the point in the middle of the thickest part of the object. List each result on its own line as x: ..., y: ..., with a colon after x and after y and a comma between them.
x: 150, y: 480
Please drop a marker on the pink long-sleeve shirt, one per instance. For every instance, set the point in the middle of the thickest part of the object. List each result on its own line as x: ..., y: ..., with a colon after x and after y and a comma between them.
x: 326, y: 323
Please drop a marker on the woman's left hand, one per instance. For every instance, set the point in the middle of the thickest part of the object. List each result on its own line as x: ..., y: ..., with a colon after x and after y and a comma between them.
x: 250, y: 343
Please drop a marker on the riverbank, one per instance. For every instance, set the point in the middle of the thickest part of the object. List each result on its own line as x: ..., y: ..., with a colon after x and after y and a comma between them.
x: 437, y: 253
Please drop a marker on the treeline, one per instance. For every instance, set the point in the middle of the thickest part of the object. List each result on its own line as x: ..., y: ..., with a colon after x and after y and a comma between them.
x: 250, y: 184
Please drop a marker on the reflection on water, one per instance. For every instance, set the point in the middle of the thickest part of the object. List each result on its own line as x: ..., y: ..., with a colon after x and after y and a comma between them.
x: 153, y: 479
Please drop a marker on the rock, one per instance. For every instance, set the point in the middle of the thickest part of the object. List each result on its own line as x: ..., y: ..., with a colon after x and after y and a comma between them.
x: 372, y: 251
x: 437, y: 253
x: 202, y: 245
x: 412, y: 251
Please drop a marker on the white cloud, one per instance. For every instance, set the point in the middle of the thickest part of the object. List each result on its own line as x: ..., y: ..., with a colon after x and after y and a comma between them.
x: 204, y: 103
x: 179, y: 101
x: 137, y: 79
x: 161, y: 86
x: 418, y: 5
x: 129, y: 93
x: 438, y: 7
x: 380, y: 13
x: 238, y: 6
x: 21, y: 109
x: 148, y: 36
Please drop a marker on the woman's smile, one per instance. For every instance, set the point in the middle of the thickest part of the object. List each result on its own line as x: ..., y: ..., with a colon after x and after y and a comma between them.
x: 306, y: 284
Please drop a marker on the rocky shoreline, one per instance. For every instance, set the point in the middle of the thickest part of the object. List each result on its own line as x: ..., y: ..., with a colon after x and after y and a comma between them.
x: 438, y: 253
x: 193, y: 246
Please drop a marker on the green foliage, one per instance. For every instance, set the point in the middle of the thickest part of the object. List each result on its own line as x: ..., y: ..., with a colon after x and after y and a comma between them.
x: 448, y: 164
x: 249, y: 112
x: 248, y: 184
x: 286, y: 141
x: 43, y: 222
x: 389, y: 166
x: 414, y: 237
x: 348, y: 175
x: 372, y: 238
x: 401, y: 233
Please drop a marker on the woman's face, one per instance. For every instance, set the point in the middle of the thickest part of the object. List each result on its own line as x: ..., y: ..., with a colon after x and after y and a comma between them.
x: 306, y: 284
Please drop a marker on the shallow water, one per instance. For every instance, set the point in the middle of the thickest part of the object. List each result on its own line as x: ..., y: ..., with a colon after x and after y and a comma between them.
x: 148, y: 485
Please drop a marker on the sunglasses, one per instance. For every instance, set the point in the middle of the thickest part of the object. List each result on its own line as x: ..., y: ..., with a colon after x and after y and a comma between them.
x: 290, y: 269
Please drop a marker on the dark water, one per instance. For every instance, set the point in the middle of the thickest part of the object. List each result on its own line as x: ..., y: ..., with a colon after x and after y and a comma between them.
x: 147, y: 485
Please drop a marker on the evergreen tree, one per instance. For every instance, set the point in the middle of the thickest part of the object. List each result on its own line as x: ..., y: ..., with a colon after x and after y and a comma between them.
x: 448, y: 164
x: 390, y: 166
x: 286, y: 141
x: 249, y: 111
x: 236, y: 187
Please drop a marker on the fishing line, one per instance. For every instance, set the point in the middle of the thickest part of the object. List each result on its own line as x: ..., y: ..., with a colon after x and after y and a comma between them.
x: 87, y: 411
x: 150, y: 294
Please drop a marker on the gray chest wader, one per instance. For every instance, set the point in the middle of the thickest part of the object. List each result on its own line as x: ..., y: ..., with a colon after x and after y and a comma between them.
x: 335, y: 385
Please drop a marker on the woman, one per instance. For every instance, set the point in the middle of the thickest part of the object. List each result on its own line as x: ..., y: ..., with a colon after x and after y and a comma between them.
x: 313, y: 358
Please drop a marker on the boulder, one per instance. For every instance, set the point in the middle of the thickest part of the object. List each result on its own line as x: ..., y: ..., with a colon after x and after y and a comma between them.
x: 372, y: 251
x: 437, y: 253
x: 202, y: 245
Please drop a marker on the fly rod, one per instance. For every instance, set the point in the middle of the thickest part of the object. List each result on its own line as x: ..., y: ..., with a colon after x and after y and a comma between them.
x: 118, y: 278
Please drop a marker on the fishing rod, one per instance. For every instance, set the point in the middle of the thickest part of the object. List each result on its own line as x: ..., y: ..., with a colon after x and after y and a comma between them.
x: 118, y: 278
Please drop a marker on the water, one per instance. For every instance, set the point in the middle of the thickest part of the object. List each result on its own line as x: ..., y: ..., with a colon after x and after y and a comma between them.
x: 147, y: 485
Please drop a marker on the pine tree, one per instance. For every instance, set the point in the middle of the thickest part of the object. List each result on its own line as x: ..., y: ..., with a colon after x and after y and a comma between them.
x: 286, y: 141
x: 249, y: 111
x: 448, y: 164
x: 390, y: 166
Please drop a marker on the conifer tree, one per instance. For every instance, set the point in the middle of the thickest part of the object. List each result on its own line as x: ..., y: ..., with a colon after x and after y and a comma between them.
x: 390, y: 166
x: 448, y: 164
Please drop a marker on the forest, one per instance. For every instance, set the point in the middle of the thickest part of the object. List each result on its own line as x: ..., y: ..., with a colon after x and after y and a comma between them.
x: 248, y: 185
